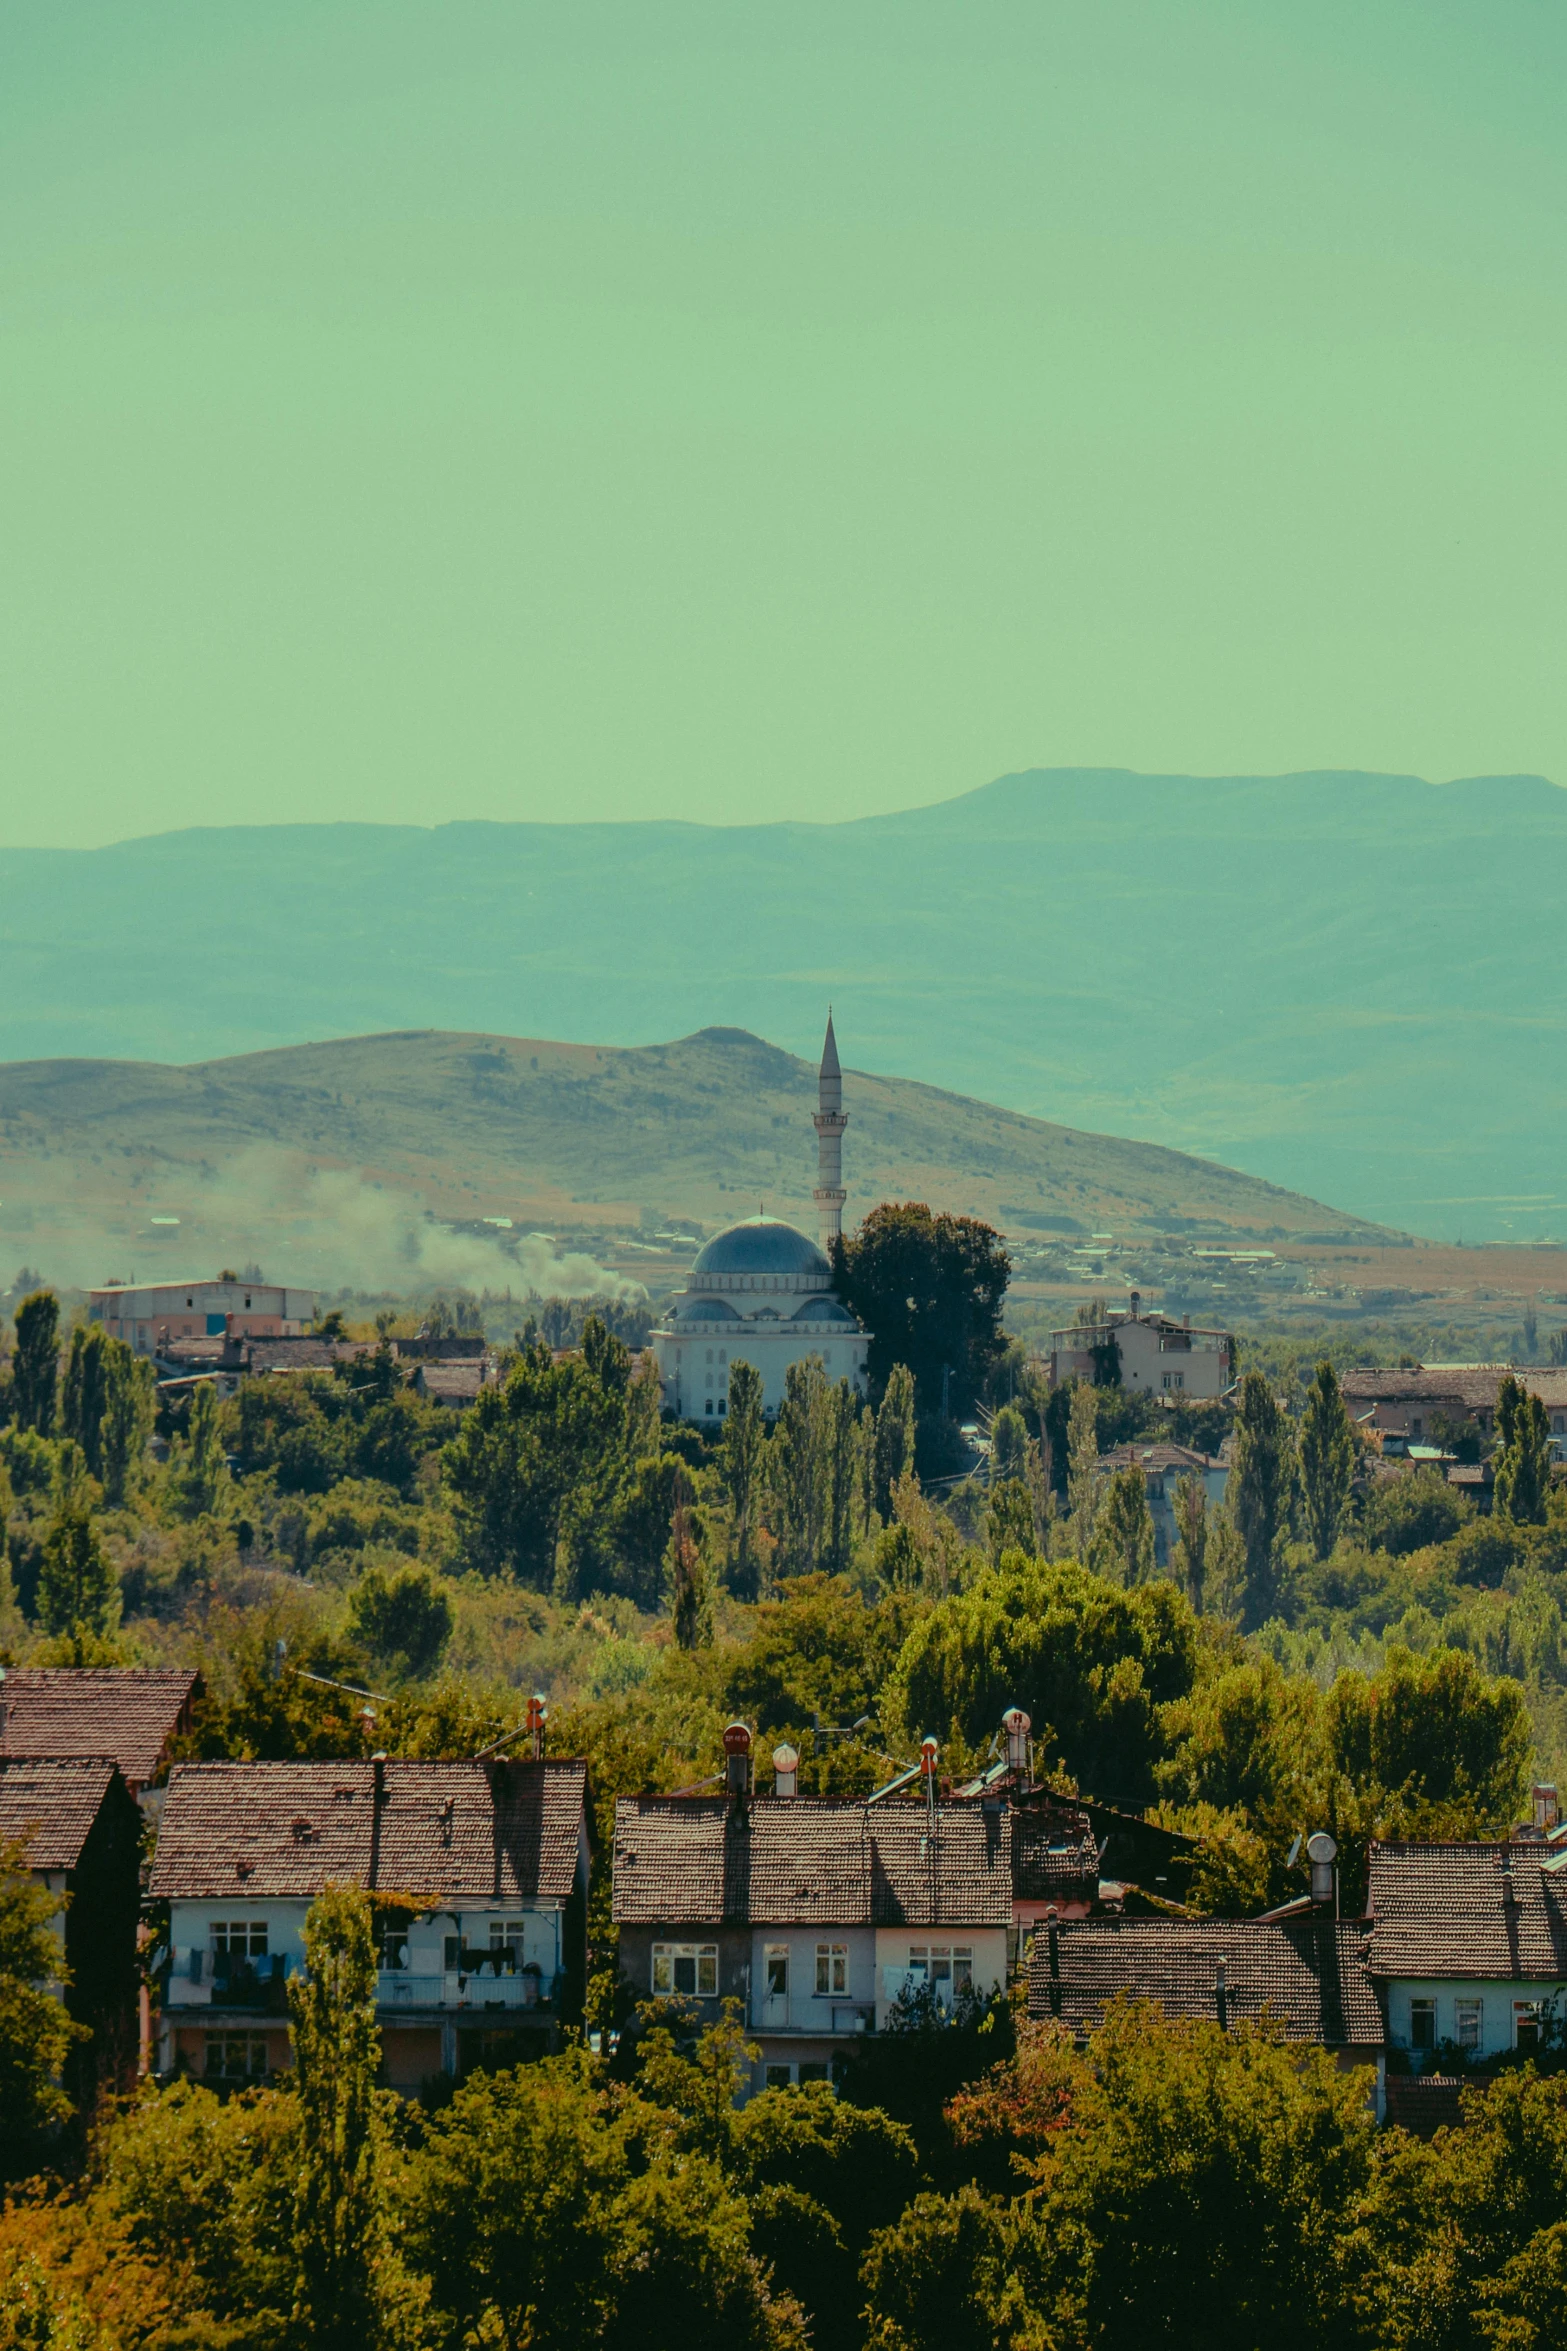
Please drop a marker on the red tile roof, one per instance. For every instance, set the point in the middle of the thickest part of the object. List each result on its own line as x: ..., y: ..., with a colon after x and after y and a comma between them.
x: 1442, y: 1910
x: 58, y: 1800
x: 95, y: 1710
x: 1309, y: 1973
x: 809, y: 1861
x: 1473, y: 1386
x: 503, y: 1831
x: 1048, y: 1858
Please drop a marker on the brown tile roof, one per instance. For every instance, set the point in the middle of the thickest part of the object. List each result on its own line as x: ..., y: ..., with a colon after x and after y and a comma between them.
x: 1307, y: 1972
x: 447, y: 1383
x: 809, y: 1861
x: 1047, y: 1858
x: 1470, y: 1385
x: 58, y: 1799
x: 1157, y: 1456
x: 131, y: 1714
x: 1440, y: 1910
x: 507, y: 1831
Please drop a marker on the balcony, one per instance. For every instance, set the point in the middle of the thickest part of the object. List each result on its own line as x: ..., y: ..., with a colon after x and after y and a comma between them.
x: 196, y: 1978
x: 482, y: 1991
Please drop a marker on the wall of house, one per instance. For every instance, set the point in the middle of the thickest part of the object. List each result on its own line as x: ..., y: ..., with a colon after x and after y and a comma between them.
x: 803, y: 2009
x: 895, y: 1945
x: 1499, y: 2002
x: 101, y: 1927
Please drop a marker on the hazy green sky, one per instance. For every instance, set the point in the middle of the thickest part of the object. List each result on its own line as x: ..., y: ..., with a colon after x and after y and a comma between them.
x: 425, y: 408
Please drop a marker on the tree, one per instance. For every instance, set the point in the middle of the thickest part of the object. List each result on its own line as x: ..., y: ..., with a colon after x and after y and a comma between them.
x: 1123, y: 1543
x: 741, y: 1455
x: 690, y: 1594
x: 405, y: 1618
x: 35, y: 1365
x: 930, y: 1290
x: 340, y: 2250
x: 1523, y: 1458
x: 844, y: 1479
x: 1406, y: 1514
x: 1442, y: 1748
x: 1259, y: 1490
x: 36, y: 2035
x: 1084, y: 1485
x: 1198, y: 2191
x: 527, y: 1445
x: 800, y: 1462
x: 821, y: 2176
x: 83, y: 1392
x: 944, y: 2278
x: 200, y: 1475
x: 78, y: 1590
x: 894, y: 1436
x: 130, y: 1406
x: 1009, y: 1521
x: 1327, y: 1460
x: 1191, y: 1551
x: 1093, y: 1663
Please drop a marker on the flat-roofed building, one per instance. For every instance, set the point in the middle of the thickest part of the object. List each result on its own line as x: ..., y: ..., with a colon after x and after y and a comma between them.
x: 1147, y: 1354
x: 146, y: 1315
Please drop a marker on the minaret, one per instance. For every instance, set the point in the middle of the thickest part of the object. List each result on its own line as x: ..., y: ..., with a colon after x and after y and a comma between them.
x: 830, y: 1121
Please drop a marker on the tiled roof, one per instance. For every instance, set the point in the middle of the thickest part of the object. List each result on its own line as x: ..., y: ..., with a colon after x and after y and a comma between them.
x: 1441, y: 1910
x: 809, y: 1861
x: 1158, y: 1456
x: 1048, y: 1858
x: 1471, y: 1385
x: 58, y: 1799
x: 461, y: 1380
x: 94, y: 1710
x: 287, y: 1829
x: 1307, y: 1972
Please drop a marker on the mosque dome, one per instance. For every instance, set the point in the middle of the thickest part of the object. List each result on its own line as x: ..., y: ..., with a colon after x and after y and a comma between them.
x: 762, y: 1252
x: 824, y: 1310
x: 705, y: 1310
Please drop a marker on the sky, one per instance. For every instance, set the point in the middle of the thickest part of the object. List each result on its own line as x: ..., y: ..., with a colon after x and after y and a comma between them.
x: 423, y: 409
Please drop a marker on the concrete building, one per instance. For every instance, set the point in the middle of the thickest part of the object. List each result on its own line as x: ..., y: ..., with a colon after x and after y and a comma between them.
x: 482, y: 1873
x: 815, y: 1913
x: 761, y: 1293
x: 1408, y: 1407
x: 1468, y: 1945
x: 148, y: 1314
x: 1155, y: 1355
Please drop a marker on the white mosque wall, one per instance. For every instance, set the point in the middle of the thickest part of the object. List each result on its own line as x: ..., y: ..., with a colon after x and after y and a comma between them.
x: 694, y: 1368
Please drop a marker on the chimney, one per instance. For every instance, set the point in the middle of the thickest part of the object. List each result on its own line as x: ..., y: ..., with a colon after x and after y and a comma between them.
x: 1547, y: 1808
x: 1509, y: 1889
x: 786, y: 1766
x: 1186, y: 1322
x: 1053, y: 1946
x: 1221, y: 1992
x: 2, y: 1703
x: 537, y: 1716
x: 1016, y: 1726
x: 378, y: 1769
x: 1322, y: 1853
x: 737, y: 1770
x: 1137, y: 1300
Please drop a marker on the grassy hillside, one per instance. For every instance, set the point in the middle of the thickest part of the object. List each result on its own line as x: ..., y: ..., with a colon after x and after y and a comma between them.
x: 1344, y: 983
x: 338, y: 1153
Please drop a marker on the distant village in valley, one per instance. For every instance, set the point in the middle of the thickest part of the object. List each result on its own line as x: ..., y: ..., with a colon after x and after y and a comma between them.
x: 815, y: 1673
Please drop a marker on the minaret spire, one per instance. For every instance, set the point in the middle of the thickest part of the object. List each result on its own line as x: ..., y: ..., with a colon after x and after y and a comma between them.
x: 830, y: 1121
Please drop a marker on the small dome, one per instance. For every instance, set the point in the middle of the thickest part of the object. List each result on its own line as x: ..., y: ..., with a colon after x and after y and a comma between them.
x: 823, y: 1310
x: 762, y: 1245
x: 705, y: 1310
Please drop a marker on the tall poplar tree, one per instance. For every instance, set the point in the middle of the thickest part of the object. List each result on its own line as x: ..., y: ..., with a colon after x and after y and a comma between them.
x: 894, y: 1436
x: 740, y: 1463
x: 1123, y: 1544
x: 35, y: 1366
x: 1327, y: 1460
x: 1523, y: 1459
x: 340, y: 2250
x: 1259, y: 1490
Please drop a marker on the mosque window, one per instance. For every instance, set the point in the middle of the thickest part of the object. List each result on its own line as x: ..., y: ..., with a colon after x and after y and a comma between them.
x: 709, y: 1404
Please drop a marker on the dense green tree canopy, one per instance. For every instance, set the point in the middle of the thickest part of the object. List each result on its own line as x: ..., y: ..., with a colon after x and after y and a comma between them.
x: 930, y: 1290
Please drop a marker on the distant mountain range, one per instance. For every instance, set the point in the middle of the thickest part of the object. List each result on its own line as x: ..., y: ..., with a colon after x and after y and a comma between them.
x: 375, y: 1161
x: 1347, y: 984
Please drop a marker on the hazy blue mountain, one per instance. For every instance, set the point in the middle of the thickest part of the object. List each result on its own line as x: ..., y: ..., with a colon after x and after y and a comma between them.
x: 1344, y: 983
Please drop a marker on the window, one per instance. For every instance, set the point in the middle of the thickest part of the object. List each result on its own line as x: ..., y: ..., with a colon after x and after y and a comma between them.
x: 708, y: 1406
x: 506, y: 1941
x: 832, y: 1969
x: 394, y: 1946
x: 775, y: 1960
x: 1526, y: 2024
x: 1415, y: 1426
x: 1471, y: 2016
x: 943, y: 1966
x: 236, y: 2057
x: 778, y: 2077
x: 1422, y: 2024
x: 688, y: 1970
x: 239, y: 1939
x: 812, y: 2070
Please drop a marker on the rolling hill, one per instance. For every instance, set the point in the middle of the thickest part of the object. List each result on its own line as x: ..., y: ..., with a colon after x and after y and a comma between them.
x: 1342, y: 983
x: 354, y: 1161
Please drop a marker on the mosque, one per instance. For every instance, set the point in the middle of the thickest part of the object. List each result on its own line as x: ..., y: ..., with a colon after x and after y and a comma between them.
x: 761, y: 1293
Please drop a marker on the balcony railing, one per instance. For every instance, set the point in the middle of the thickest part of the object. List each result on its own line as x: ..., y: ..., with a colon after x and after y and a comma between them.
x: 523, y: 1988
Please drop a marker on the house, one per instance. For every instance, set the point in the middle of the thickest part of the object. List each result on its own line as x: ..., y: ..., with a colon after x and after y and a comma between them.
x: 814, y: 1913
x: 454, y: 1384
x: 1163, y: 1467
x: 1061, y: 1844
x: 480, y: 1870
x: 148, y: 1314
x: 1308, y: 1972
x: 133, y: 1714
x: 1055, y: 1869
x: 1468, y: 1945
x: 1148, y: 1354
x: 83, y: 1834
x: 1411, y: 1405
